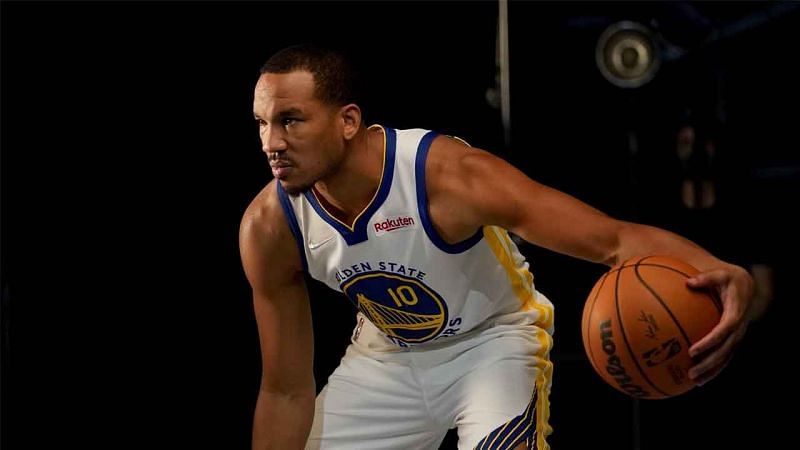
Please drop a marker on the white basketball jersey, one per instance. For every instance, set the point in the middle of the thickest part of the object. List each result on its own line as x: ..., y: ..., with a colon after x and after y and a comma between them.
x: 411, y: 285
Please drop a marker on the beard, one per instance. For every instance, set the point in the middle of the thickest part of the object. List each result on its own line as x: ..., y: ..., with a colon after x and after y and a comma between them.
x: 296, y: 189
x: 302, y: 186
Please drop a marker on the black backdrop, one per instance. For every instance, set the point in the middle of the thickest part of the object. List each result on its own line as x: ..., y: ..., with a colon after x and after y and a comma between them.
x: 129, y: 154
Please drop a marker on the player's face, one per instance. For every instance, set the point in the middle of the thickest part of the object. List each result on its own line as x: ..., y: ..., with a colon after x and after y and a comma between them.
x: 301, y: 135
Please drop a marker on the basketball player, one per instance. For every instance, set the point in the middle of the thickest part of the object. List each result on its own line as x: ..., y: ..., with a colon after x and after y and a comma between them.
x: 413, y: 227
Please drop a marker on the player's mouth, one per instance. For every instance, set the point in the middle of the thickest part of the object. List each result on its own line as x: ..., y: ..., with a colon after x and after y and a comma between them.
x: 281, y: 169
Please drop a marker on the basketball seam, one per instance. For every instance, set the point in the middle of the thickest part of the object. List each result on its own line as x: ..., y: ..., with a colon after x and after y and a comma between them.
x: 711, y: 296
x: 589, y: 322
x: 663, y: 304
x: 625, y: 338
x: 714, y: 299
x: 650, y: 265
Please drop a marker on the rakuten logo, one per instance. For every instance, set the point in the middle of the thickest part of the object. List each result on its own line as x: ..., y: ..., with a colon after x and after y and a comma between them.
x: 393, y: 224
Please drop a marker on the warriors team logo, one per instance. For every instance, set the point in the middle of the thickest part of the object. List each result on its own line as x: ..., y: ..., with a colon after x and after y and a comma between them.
x: 402, y: 307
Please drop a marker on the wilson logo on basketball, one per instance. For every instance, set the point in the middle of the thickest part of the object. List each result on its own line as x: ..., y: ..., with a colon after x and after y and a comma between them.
x: 615, y: 367
x: 393, y: 224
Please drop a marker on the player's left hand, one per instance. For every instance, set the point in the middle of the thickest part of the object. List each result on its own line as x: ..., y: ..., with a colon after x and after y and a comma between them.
x: 735, y: 288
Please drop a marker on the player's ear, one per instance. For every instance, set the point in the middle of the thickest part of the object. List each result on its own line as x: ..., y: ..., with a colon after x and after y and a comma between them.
x: 351, y: 119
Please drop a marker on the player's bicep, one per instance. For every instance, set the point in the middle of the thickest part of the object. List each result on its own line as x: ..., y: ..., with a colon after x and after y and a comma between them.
x: 502, y: 195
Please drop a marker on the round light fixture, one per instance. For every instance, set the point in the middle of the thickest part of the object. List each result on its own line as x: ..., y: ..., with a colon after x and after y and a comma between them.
x: 627, y: 54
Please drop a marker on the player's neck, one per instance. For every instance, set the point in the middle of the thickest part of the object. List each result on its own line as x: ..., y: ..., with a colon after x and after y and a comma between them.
x: 348, y: 191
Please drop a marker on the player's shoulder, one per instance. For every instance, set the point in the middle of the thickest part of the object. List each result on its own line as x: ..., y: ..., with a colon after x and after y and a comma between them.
x: 451, y: 156
x: 266, y: 244
x: 264, y: 223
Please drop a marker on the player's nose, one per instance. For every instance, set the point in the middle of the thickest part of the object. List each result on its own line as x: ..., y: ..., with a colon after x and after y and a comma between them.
x: 272, y: 141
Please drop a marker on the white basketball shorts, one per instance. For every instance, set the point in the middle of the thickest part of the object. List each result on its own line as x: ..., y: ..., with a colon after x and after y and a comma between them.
x: 492, y: 384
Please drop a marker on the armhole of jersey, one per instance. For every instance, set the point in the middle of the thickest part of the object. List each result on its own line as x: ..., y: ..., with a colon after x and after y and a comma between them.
x: 460, y: 140
x: 422, y: 203
x: 292, y: 219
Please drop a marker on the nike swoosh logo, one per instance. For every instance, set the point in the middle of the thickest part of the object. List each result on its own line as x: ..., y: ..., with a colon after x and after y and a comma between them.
x: 313, y: 245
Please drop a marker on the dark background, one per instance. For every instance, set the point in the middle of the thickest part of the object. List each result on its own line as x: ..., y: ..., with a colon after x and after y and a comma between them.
x: 129, y: 154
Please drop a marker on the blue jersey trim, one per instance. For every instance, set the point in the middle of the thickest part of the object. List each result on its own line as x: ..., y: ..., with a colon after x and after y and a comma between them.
x: 422, y: 203
x: 359, y: 231
x: 292, y: 219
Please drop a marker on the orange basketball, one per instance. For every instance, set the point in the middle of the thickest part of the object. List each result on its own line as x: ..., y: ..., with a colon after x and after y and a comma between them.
x: 640, y: 320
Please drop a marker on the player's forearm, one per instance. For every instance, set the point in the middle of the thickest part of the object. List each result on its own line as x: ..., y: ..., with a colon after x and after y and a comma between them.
x: 283, y: 421
x: 640, y: 240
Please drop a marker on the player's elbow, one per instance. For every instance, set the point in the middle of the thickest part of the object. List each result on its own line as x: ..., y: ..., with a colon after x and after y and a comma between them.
x: 610, y: 259
x: 610, y: 249
x: 288, y: 388
x: 288, y: 377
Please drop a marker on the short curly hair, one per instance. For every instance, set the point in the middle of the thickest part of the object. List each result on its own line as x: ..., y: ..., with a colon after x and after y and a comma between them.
x: 336, y: 80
